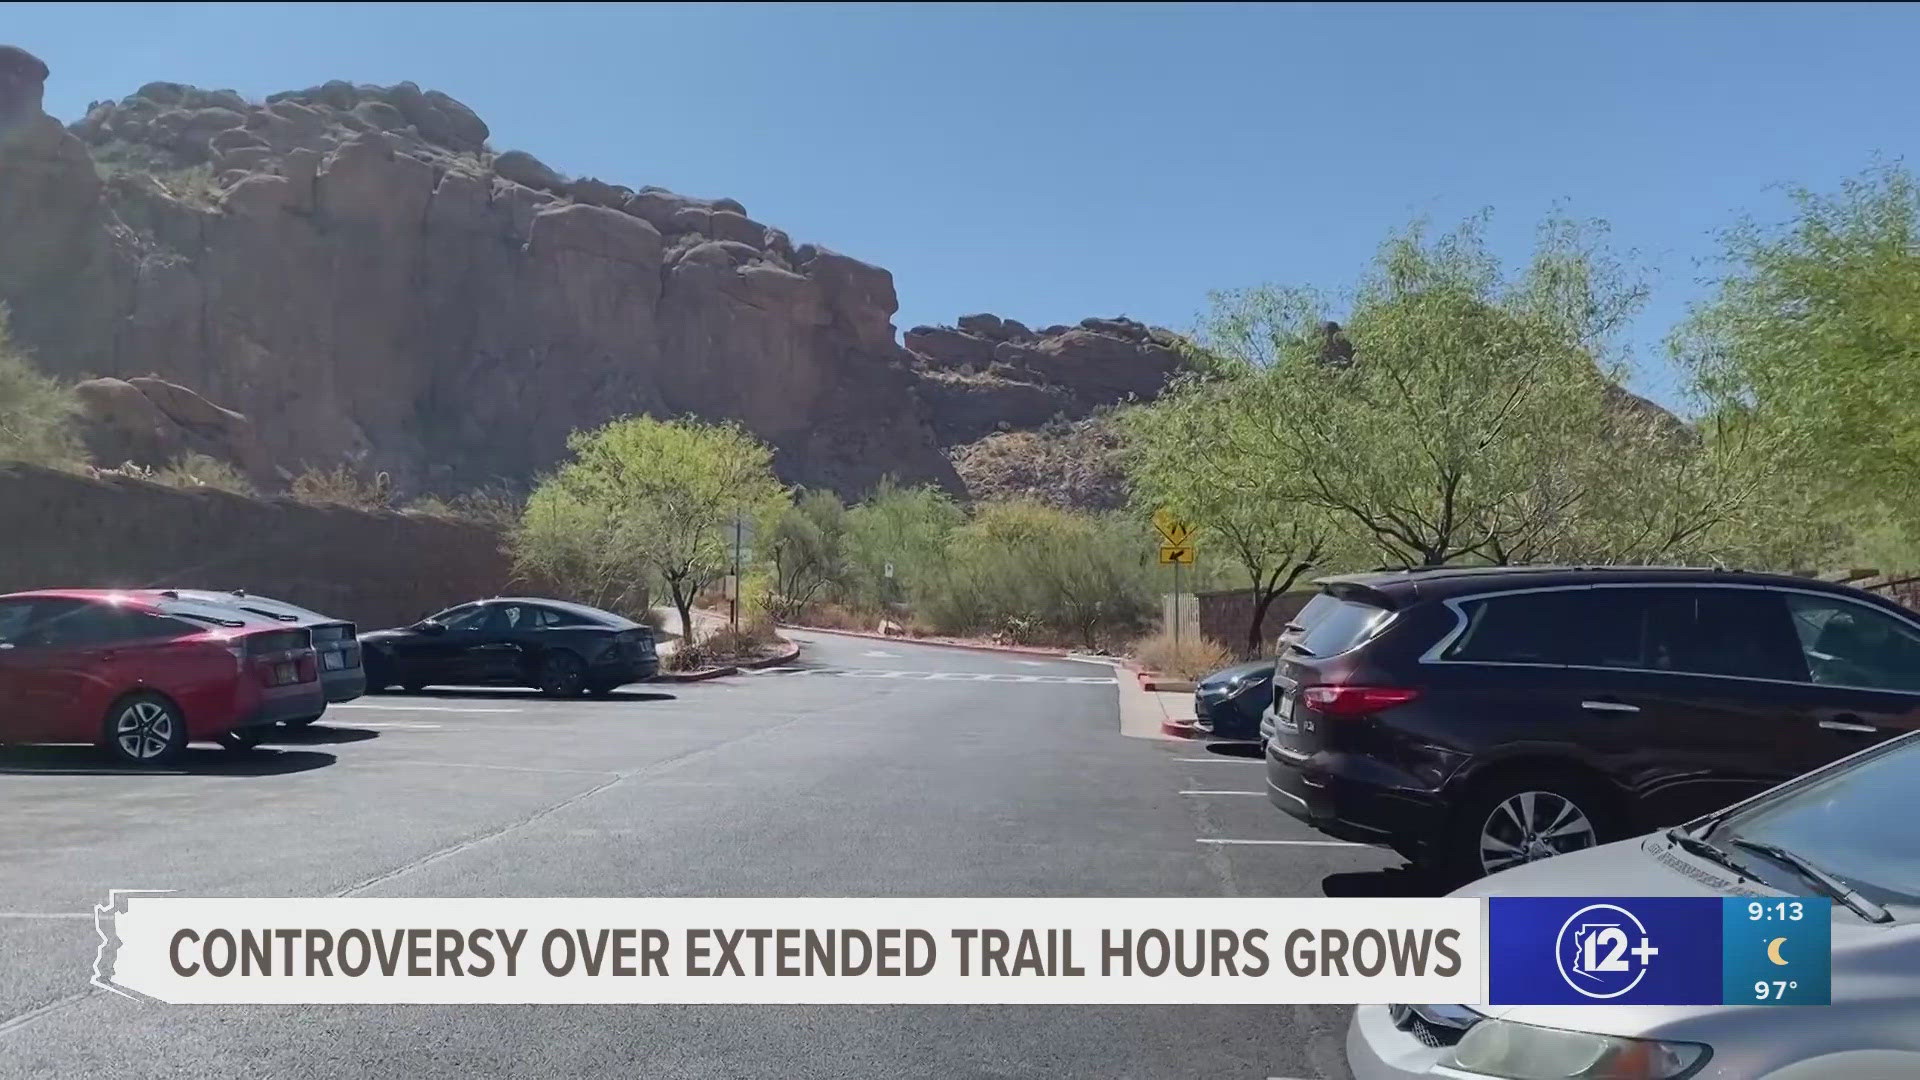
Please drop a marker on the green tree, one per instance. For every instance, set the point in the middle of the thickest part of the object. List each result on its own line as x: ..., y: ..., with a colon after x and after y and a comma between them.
x: 34, y: 410
x: 664, y: 492
x: 905, y: 526
x: 808, y: 552
x: 1244, y: 510
x: 1462, y: 413
x: 1028, y: 571
x: 1815, y: 332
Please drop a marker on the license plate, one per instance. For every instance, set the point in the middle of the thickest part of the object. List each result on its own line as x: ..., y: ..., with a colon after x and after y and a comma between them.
x: 285, y: 673
x: 1283, y: 715
x: 333, y: 661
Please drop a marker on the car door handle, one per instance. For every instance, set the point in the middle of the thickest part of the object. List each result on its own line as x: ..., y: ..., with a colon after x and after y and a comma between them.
x: 1843, y: 725
x: 1609, y: 706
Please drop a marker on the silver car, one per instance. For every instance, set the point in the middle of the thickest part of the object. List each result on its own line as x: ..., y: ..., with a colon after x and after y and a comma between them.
x: 1846, y: 831
x: 335, y: 641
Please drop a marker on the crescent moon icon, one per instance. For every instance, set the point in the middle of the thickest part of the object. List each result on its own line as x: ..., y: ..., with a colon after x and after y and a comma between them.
x: 1773, y: 951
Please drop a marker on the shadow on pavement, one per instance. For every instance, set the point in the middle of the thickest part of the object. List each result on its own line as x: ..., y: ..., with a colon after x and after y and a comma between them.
x: 511, y: 694
x: 1395, y: 881
x: 317, y: 735
x: 1235, y: 749
x: 92, y: 761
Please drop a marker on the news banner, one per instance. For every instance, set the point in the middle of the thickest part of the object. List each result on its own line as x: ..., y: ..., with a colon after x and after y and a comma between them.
x: 1095, y: 951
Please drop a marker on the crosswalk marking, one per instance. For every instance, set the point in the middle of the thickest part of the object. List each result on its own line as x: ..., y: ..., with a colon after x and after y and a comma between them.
x: 936, y: 676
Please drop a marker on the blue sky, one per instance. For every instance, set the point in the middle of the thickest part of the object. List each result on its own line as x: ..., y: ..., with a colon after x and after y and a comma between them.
x: 1053, y: 162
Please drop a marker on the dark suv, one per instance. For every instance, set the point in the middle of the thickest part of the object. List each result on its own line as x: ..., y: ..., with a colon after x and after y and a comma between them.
x: 1474, y: 719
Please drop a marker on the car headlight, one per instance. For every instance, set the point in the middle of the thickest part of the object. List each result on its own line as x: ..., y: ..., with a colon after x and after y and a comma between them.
x: 1524, y: 1052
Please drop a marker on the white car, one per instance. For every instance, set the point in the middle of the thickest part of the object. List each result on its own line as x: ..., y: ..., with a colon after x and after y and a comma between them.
x: 1847, y: 831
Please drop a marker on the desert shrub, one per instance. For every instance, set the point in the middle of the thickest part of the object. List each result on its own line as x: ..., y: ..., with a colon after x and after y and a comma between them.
x: 197, y: 470
x: 343, y: 486
x: 34, y: 410
x: 1195, y: 657
x: 828, y: 615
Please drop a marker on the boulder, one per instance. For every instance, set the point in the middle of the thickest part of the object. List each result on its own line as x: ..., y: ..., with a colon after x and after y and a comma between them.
x: 150, y: 421
x: 23, y: 80
x: 943, y: 346
x: 528, y: 171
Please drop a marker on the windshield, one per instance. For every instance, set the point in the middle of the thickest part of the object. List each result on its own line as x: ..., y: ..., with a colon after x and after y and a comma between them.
x: 1856, y: 824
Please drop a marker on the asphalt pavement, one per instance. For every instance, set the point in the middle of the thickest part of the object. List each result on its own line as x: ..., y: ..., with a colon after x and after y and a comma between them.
x: 868, y: 768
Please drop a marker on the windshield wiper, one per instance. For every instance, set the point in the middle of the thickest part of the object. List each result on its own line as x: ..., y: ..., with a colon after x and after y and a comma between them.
x: 1830, y: 885
x: 1693, y: 845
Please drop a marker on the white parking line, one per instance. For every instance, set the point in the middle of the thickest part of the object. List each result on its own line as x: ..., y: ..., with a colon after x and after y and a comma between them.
x: 395, y: 725
x: 500, y: 768
x: 1278, y: 843
x: 421, y: 708
x: 1223, y: 793
x: 46, y: 914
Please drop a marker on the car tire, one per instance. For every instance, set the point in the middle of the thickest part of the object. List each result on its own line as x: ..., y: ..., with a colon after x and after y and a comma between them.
x: 1514, y: 820
x: 144, y: 729
x: 562, y: 674
x: 413, y: 687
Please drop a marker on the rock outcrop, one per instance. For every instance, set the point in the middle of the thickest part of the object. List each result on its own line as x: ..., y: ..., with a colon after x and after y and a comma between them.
x: 989, y: 374
x: 358, y: 273
x: 353, y: 269
x: 150, y: 421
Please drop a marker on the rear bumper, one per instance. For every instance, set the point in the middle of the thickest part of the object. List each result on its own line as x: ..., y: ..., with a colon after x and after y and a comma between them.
x: 1226, y: 716
x: 625, y: 670
x: 344, y: 685
x: 274, y: 709
x: 1353, y: 798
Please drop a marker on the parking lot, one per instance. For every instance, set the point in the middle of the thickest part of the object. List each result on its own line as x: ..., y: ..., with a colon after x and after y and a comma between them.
x: 865, y: 769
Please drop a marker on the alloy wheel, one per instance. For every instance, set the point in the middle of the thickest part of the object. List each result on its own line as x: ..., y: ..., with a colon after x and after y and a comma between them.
x: 1531, y: 826
x: 144, y: 730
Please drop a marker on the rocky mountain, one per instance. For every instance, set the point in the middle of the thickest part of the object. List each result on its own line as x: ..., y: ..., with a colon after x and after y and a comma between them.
x: 359, y: 277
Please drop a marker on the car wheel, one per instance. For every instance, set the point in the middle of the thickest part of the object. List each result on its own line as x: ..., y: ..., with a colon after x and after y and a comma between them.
x: 1513, y: 822
x: 304, y: 721
x: 602, y: 689
x: 144, y: 729
x: 563, y: 675
x: 241, y: 739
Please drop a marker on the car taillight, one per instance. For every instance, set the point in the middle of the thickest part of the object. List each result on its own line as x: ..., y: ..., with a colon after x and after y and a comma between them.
x: 307, y: 668
x: 1355, y: 700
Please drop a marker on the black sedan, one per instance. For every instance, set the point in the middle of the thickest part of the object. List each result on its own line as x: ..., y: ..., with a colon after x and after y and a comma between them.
x: 560, y: 648
x: 1229, y: 701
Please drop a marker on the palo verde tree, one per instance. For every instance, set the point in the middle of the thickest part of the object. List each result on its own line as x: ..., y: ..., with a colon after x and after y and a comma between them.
x: 1245, y: 511
x: 1464, y: 413
x: 807, y: 552
x: 1814, y: 335
x: 662, y: 493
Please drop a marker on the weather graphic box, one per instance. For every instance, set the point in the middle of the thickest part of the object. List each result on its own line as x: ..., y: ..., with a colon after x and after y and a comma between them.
x: 1659, y: 950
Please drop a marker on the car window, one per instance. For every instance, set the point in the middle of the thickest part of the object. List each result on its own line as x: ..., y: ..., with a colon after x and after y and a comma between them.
x: 510, y: 617
x: 1344, y: 625
x: 1744, y: 632
x: 1855, y: 823
x: 549, y: 617
x: 470, y: 617
x: 73, y: 624
x: 1849, y: 644
x: 16, y: 616
x: 1520, y: 628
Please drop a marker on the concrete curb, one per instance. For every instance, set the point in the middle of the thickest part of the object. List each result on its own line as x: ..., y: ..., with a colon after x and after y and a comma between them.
x: 1182, y: 729
x: 792, y: 654
x: 1166, y: 686
x: 695, y: 676
x: 1023, y: 650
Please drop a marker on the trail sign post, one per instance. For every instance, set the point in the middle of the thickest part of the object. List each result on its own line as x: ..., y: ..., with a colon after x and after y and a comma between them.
x: 740, y: 536
x: 1176, y: 550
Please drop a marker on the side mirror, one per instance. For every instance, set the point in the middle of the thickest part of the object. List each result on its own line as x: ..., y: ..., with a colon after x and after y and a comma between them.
x: 428, y: 626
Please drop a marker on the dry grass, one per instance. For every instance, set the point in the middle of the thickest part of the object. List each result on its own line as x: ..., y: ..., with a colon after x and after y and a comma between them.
x: 197, y: 470
x: 831, y: 616
x: 342, y: 486
x: 1194, y: 658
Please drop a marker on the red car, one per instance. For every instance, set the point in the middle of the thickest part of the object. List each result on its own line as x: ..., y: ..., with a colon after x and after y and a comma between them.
x: 142, y: 675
